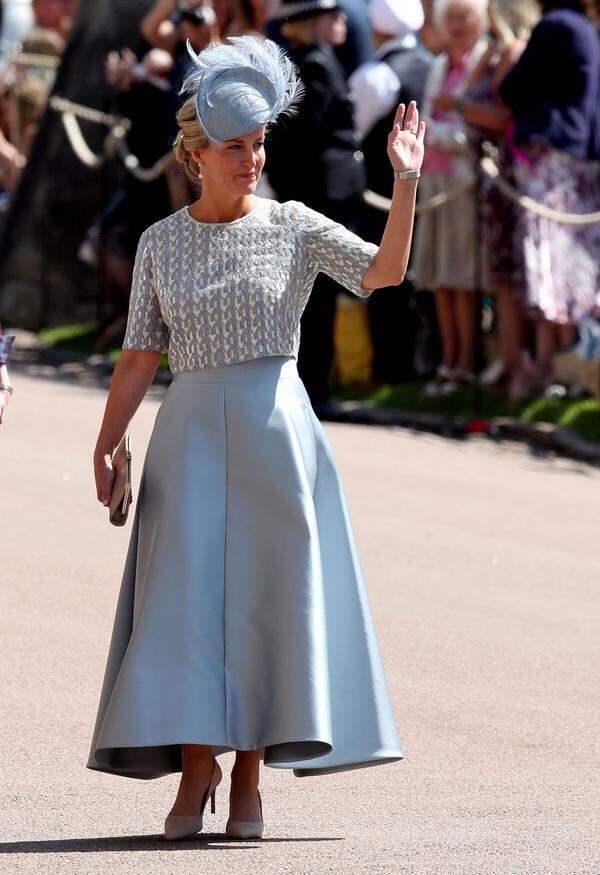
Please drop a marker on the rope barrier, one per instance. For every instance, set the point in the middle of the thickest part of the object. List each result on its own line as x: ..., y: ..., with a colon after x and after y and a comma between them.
x: 491, y: 170
x: 81, y: 148
x: 31, y: 59
x: 437, y: 201
x: 144, y: 174
x: 115, y: 143
x: 62, y: 104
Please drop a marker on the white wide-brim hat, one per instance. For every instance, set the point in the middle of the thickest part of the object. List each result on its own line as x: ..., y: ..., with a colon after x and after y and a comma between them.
x: 241, y: 85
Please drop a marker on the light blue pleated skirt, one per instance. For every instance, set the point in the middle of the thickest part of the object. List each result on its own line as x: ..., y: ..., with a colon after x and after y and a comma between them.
x: 242, y: 620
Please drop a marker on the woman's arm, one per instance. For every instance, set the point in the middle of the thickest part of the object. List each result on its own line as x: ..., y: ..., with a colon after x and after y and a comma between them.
x: 133, y: 374
x: 483, y: 115
x: 157, y: 28
x: 405, y: 151
x: 490, y: 118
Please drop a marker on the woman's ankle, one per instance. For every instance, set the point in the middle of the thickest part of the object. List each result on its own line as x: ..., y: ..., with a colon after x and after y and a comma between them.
x: 245, y: 774
x: 197, y: 759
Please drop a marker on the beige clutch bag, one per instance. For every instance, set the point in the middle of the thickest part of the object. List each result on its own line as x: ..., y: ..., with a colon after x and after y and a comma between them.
x: 121, y: 495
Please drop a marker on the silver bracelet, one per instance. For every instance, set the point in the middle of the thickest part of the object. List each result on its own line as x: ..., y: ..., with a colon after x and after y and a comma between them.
x: 407, y: 174
x: 6, y: 387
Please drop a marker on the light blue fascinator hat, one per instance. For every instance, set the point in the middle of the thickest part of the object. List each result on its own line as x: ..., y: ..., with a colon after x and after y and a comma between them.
x: 241, y: 85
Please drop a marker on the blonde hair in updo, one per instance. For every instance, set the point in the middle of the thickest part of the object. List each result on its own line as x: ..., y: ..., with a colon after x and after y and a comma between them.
x: 189, y: 136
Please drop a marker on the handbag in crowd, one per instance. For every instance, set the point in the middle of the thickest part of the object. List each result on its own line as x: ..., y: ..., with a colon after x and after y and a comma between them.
x: 121, y: 495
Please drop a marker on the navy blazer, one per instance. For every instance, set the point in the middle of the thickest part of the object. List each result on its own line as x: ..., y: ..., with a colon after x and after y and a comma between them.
x: 314, y: 156
x: 554, y: 89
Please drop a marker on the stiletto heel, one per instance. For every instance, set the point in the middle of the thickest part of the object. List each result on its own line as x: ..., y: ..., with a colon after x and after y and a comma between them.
x: 180, y: 826
x: 246, y: 829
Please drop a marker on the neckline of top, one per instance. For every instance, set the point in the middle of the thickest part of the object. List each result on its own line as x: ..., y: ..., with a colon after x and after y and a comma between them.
x: 187, y: 215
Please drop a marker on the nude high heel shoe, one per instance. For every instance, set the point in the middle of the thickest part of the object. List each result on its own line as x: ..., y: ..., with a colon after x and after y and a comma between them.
x: 180, y: 826
x: 246, y: 829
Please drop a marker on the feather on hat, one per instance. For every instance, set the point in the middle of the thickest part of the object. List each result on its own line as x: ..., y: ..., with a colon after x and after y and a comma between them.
x: 241, y: 85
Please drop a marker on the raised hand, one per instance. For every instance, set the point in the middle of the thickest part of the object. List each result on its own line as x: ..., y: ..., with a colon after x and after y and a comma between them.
x: 405, y: 142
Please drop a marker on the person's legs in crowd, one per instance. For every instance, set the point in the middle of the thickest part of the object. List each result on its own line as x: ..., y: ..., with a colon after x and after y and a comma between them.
x: 393, y: 327
x: 465, y: 305
x: 511, y: 334
x: 444, y: 305
x: 445, y: 380
x: 535, y: 374
x: 315, y: 356
x: 550, y: 339
x: 546, y: 346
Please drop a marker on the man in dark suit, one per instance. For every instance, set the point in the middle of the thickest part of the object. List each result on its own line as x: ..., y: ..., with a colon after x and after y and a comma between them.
x: 315, y: 157
x: 397, y: 75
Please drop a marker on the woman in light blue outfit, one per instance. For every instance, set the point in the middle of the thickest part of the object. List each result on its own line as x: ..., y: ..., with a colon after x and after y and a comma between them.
x: 242, y: 622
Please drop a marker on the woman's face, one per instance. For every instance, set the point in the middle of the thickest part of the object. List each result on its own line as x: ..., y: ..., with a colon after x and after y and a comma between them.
x: 235, y: 164
x: 331, y: 28
x: 463, y: 25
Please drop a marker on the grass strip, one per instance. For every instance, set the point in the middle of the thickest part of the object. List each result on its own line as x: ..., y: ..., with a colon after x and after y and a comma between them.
x: 580, y: 415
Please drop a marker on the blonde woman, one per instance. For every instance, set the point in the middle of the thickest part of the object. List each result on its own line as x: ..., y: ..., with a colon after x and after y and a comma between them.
x: 243, y: 623
x: 510, y: 24
x: 446, y: 239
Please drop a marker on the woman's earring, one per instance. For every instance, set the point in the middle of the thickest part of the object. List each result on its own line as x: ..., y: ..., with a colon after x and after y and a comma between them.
x: 199, y: 171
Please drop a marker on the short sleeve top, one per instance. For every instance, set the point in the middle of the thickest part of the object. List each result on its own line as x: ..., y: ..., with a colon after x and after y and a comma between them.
x: 213, y: 294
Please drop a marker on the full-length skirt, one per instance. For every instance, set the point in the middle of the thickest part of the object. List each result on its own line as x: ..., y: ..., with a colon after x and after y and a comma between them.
x: 242, y: 620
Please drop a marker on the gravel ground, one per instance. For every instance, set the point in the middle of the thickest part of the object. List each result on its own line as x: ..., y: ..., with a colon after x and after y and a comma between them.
x: 482, y: 565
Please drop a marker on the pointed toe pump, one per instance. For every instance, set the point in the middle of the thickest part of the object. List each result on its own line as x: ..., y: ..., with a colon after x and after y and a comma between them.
x: 246, y: 829
x: 181, y: 826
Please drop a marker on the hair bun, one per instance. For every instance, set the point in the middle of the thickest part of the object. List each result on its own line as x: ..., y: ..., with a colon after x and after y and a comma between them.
x: 189, y: 136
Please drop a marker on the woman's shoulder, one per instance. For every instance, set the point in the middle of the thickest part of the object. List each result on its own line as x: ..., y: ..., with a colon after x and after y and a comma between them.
x: 566, y: 26
x: 162, y: 227
x: 296, y: 216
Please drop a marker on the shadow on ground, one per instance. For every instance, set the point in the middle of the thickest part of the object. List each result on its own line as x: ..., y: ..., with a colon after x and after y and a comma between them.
x: 212, y: 841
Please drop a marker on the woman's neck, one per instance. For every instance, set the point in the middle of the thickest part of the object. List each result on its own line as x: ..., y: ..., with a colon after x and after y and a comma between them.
x: 459, y: 56
x: 215, y: 206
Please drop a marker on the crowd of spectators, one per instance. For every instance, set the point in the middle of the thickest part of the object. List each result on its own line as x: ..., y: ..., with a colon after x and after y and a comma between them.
x: 513, y: 79
x: 30, y: 50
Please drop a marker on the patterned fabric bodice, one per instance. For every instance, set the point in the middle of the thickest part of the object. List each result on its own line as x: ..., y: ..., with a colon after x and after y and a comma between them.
x: 212, y: 294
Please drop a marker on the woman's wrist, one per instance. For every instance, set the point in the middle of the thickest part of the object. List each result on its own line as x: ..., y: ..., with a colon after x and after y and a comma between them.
x: 406, y: 174
x: 401, y: 184
x: 101, y: 451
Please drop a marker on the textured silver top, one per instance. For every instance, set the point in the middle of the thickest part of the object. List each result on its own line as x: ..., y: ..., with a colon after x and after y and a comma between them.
x: 212, y: 294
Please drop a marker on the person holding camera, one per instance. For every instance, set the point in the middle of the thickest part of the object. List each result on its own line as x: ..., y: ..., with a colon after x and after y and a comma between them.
x: 169, y: 24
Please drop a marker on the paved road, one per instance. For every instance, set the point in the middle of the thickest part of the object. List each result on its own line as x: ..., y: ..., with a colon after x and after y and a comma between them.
x: 483, y: 566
